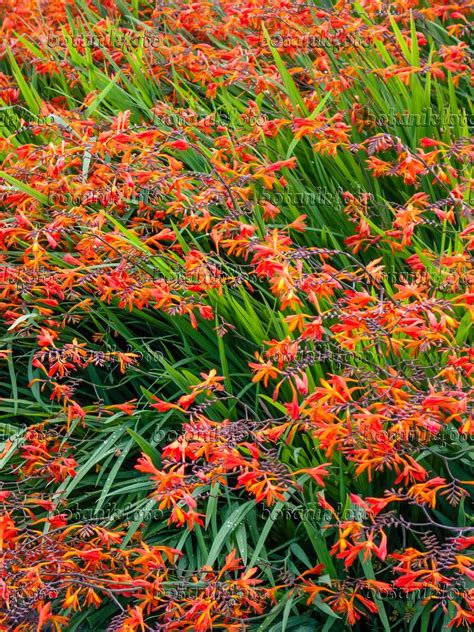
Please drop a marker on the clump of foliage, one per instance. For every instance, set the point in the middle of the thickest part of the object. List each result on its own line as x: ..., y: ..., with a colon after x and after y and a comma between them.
x: 236, y: 301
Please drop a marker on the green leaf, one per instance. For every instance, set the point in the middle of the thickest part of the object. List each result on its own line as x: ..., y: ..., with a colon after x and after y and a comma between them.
x: 230, y: 524
x: 146, y: 447
x: 24, y: 188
